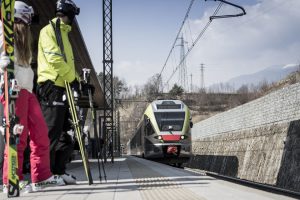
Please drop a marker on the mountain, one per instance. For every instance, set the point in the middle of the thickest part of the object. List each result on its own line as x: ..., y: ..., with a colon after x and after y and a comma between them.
x: 270, y: 75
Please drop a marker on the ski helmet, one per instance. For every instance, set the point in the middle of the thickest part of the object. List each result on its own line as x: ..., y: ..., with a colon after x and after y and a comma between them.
x: 68, y: 8
x: 23, y: 12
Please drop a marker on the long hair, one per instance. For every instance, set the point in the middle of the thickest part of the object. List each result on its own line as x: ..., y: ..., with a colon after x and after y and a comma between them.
x: 22, y: 39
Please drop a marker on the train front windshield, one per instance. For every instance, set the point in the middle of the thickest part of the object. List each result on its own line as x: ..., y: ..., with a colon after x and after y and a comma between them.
x: 165, y: 120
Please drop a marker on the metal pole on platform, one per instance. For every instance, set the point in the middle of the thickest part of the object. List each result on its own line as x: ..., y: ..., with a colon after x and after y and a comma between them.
x: 108, y: 76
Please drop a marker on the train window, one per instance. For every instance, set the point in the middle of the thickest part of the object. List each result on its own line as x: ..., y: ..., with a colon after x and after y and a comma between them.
x: 168, y: 105
x: 167, y: 119
x: 149, y: 129
x: 148, y: 126
x: 175, y: 106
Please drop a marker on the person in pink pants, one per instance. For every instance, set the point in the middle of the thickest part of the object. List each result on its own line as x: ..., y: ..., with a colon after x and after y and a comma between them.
x: 31, y: 117
x: 28, y: 109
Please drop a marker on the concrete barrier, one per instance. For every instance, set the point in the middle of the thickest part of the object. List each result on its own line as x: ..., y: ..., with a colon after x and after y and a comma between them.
x: 258, y: 141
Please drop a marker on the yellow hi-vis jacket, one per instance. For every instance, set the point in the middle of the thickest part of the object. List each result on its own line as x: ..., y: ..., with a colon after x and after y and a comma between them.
x: 51, y: 63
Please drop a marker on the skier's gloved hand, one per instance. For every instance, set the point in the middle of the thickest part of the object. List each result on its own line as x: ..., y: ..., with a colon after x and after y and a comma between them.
x: 75, y: 85
x: 85, y: 87
x: 4, y: 62
x: 76, y: 88
x: 18, y: 129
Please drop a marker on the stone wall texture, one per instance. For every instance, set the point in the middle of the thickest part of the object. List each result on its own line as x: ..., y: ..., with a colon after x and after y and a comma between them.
x: 258, y: 141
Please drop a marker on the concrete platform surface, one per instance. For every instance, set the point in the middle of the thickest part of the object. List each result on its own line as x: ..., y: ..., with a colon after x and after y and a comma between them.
x: 131, y: 178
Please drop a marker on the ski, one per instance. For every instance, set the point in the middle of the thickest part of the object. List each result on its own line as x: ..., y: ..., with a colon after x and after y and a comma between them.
x: 77, y: 130
x: 10, y: 120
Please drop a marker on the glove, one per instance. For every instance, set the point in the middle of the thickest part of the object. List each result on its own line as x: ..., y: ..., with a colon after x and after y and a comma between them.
x: 75, y: 85
x: 18, y: 129
x: 76, y: 88
x: 4, y: 62
x: 85, y: 87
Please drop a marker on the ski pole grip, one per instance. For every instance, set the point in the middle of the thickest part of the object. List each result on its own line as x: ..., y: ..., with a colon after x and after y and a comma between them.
x: 86, y: 74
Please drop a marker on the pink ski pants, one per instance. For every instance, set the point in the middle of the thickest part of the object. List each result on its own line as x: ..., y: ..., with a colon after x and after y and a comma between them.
x: 29, y: 112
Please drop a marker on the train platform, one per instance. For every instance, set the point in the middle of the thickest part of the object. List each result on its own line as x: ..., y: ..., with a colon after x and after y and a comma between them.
x: 132, y: 178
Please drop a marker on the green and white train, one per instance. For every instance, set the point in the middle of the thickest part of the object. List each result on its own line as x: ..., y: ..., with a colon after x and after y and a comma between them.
x: 163, y: 133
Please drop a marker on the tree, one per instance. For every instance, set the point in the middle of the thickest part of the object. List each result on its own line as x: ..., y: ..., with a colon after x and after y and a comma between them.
x: 151, y: 88
x: 176, y: 90
x: 119, y: 86
x: 263, y: 86
x: 243, y: 92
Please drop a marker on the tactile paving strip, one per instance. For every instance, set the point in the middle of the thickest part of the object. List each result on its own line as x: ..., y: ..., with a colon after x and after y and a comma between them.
x: 153, y: 185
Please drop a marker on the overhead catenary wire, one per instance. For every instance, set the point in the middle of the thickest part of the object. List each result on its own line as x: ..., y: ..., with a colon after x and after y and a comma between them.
x: 243, y: 12
x: 214, y: 16
x: 177, y: 36
x: 194, y: 43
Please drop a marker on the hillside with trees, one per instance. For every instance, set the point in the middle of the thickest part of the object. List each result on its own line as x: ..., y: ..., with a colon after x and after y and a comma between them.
x: 132, y: 101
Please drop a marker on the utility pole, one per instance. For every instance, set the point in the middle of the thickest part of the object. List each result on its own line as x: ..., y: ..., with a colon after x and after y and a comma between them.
x: 191, y: 83
x: 182, y: 68
x: 202, y: 77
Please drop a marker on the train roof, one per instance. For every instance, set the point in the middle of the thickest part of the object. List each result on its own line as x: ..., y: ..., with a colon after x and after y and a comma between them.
x: 167, y: 105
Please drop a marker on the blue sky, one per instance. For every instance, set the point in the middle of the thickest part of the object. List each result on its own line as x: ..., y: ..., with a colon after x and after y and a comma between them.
x: 144, y: 30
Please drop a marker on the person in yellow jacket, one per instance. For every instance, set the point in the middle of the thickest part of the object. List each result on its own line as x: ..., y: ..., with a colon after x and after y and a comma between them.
x: 55, y: 65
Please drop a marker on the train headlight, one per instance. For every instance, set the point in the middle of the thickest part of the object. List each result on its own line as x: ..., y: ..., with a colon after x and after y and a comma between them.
x: 159, y: 137
x: 182, y: 137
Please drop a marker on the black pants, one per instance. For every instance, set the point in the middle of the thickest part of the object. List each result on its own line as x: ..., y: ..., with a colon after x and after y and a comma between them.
x: 56, y: 117
x: 61, y: 144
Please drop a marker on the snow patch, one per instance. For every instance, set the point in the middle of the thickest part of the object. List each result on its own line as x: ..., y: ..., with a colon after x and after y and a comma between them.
x: 290, y: 65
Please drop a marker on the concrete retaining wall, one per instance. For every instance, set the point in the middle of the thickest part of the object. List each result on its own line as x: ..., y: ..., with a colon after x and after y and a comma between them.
x: 258, y: 141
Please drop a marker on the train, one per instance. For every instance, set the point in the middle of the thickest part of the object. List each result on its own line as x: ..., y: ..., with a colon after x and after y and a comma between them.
x: 164, y: 133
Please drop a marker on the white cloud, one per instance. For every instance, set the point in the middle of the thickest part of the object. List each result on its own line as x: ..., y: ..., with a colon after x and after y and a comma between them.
x: 126, y: 65
x: 268, y: 35
x: 134, y: 72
